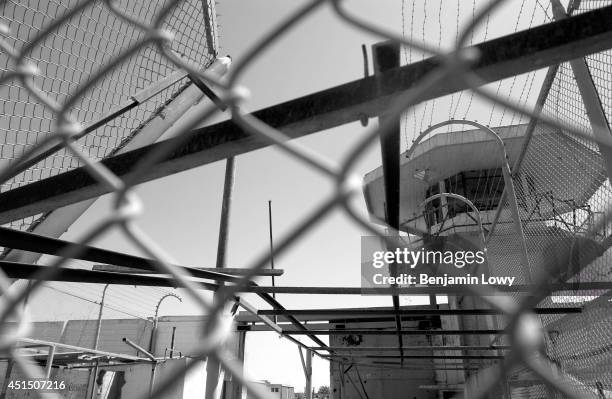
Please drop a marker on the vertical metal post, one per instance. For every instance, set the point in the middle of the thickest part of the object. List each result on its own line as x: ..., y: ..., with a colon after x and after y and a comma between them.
x: 172, y: 342
x: 386, y: 56
x: 228, y: 186
x: 94, y: 372
x: 308, y: 387
x: 7, y: 378
x: 49, y: 365
x: 214, y: 373
x: 271, y: 245
x: 237, y: 387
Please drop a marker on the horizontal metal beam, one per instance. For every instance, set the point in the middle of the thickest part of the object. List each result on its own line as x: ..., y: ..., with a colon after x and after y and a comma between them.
x: 440, y: 357
x: 406, y: 311
x: 245, y: 318
x: 414, y: 348
x: 31, y: 242
x: 24, y: 271
x: 507, y: 56
x: 233, y: 271
x: 385, y: 332
x: 491, y: 290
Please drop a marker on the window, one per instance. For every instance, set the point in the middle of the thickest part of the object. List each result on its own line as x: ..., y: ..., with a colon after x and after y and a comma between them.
x: 483, y: 187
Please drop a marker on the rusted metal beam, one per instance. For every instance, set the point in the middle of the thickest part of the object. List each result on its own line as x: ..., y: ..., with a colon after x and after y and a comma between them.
x: 511, y: 55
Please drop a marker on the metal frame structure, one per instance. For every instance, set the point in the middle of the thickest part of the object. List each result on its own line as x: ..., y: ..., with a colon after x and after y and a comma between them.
x: 546, y: 45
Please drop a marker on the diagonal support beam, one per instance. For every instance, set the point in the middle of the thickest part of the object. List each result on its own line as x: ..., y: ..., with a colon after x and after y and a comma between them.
x: 31, y: 242
x: 501, y: 58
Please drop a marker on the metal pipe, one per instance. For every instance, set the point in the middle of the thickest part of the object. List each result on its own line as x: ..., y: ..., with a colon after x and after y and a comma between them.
x: 39, y: 342
x: 271, y: 244
x: 94, y: 371
x: 49, y: 365
x: 172, y: 342
x: 245, y: 305
x: 226, y: 270
x: 139, y: 349
x: 406, y: 311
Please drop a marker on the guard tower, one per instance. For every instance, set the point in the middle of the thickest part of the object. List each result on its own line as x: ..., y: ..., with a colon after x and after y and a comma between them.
x: 456, y: 187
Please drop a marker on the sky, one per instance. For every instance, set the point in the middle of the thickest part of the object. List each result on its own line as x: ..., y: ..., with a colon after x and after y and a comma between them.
x: 182, y: 211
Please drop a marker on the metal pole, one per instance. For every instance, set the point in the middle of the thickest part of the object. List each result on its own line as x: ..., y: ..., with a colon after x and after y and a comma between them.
x: 237, y: 387
x: 99, y: 322
x: 271, y: 245
x: 308, y: 371
x: 94, y: 372
x: 228, y: 186
x: 49, y: 364
x: 7, y: 378
x: 172, y: 342
x: 214, y: 373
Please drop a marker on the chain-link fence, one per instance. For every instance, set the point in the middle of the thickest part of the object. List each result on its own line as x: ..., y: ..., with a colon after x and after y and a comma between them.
x: 72, y: 63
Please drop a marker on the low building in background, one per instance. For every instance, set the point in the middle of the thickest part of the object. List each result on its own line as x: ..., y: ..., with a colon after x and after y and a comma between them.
x: 278, y: 391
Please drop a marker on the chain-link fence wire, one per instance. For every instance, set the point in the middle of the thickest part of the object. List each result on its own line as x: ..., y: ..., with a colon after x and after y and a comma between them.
x: 65, y: 58
x: 562, y: 192
x: 67, y: 113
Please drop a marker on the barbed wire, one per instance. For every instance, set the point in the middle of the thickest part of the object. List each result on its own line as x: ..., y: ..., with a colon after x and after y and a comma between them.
x: 524, y: 327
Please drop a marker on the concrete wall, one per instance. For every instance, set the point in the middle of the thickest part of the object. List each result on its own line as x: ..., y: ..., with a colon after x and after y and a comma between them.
x: 135, y: 377
x: 381, y: 382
